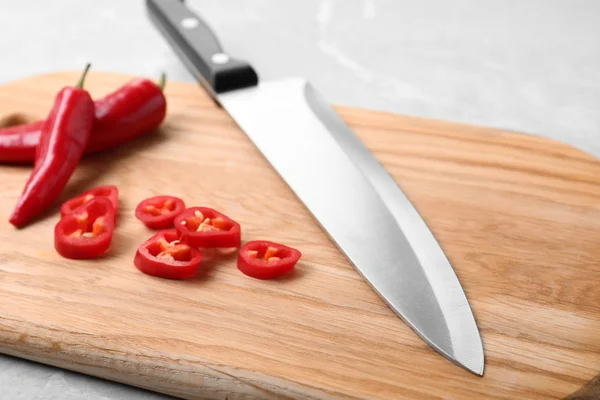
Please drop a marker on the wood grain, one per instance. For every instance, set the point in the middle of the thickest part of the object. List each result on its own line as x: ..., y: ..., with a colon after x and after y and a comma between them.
x: 518, y: 216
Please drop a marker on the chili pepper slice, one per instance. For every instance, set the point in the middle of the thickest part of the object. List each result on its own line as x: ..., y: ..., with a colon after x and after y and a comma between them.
x: 136, y: 108
x: 263, y: 259
x: 204, y: 227
x: 86, y: 232
x: 163, y: 255
x: 63, y: 139
x: 109, y: 191
x: 159, y: 212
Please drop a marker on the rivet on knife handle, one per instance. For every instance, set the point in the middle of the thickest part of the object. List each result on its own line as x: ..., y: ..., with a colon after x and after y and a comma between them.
x: 195, y: 42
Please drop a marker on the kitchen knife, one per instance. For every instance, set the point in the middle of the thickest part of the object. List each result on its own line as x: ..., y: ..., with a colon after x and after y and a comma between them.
x: 340, y: 182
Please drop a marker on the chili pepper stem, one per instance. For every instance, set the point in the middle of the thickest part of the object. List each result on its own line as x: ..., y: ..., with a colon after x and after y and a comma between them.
x: 163, y: 80
x: 85, y: 71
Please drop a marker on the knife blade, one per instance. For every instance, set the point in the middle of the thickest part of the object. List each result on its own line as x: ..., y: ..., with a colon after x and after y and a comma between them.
x: 349, y: 193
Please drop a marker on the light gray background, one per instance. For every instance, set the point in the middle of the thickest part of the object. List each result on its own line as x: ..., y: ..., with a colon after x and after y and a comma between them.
x: 526, y: 65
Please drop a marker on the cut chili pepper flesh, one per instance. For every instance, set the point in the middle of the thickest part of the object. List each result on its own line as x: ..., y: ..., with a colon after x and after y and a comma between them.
x: 86, y: 232
x: 111, y: 192
x: 159, y: 212
x: 163, y: 255
x: 200, y: 223
x: 263, y: 259
x: 204, y: 227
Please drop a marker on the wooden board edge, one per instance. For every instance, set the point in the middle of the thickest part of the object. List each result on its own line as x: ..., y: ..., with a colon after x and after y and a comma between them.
x: 589, y: 391
x: 62, y: 349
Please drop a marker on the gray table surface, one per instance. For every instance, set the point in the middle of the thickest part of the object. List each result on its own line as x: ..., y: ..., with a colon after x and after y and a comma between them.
x: 526, y: 65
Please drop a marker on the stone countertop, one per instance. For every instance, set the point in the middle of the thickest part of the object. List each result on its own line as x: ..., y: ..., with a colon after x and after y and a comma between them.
x: 530, y: 66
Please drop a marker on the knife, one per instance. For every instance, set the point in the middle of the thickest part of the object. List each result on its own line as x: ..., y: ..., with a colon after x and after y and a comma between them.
x: 350, y: 194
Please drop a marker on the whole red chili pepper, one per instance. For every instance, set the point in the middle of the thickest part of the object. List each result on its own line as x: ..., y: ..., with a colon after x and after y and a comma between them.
x: 63, y: 139
x: 18, y: 142
x: 134, y: 109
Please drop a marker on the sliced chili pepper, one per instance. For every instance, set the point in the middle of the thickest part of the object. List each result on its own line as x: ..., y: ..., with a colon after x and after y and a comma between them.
x: 136, y: 108
x: 86, y: 232
x: 163, y: 255
x: 159, y: 212
x: 263, y: 259
x: 63, y: 139
x: 109, y: 191
x: 204, y: 227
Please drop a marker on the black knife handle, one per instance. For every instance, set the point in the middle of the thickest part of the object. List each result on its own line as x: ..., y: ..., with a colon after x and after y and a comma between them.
x: 199, y: 47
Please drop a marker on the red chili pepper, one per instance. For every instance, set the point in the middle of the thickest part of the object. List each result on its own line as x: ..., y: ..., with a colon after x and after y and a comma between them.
x: 262, y: 259
x: 109, y: 191
x: 164, y: 256
x: 64, y: 136
x: 159, y: 212
x: 134, y: 109
x: 87, y: 232
x: 18, y: 142
x: 203, y: 227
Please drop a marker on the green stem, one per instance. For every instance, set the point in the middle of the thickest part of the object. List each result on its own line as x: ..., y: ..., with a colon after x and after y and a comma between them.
x: 163, y: 80
x: 85, y: 71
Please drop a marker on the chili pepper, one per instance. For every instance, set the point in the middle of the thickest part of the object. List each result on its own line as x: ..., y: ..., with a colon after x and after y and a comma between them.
x: 263, y: 259
x: 164, y: 256
x: 159, y: 212
x: 109, y: 191
x: 18, y: 142
x: 64, y: 136
x: 134, y: 109
x: 204, y: 227
x: 86, y: 232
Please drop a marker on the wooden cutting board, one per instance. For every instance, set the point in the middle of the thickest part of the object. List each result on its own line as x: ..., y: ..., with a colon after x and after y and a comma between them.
x: 518, y: 215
